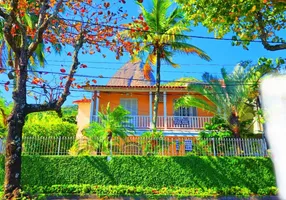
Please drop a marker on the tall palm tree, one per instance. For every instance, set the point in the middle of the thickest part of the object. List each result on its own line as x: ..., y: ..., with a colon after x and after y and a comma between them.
x: 233, y: 97
x: 37, y: 59
x: 160, y: 36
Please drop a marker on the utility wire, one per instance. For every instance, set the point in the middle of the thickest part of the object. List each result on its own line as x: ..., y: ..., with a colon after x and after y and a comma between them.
x: 140, y: 70
x: 122, y: 78
x: 122, y: 63
x: 160, y: 33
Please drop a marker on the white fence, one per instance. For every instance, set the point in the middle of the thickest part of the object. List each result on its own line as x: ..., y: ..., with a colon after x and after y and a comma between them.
x: 168, y: 122
x: 136, y: 145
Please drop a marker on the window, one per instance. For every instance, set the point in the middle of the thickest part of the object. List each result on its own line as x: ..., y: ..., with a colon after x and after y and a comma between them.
x: 130, y: 104
x: 183, y: 111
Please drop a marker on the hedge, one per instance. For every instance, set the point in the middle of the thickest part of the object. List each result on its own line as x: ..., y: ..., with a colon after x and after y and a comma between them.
x: 156, y: 172
x: 139, y: 191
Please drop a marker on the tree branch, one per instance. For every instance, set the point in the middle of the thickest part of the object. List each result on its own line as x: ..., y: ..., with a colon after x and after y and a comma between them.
x: 42, y: 25
x: 31, y: 108
x: 264, y: 36
x: 73, y: 69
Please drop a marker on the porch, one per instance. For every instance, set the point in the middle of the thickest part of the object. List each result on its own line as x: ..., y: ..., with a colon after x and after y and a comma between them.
x: 167, y: 122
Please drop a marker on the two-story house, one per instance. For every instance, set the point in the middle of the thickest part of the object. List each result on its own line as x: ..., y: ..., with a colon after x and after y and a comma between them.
x: 137, y: 96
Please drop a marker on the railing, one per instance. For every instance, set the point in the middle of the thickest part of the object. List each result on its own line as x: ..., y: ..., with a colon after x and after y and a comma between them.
x: 136, y: 145
x: 172, y: 122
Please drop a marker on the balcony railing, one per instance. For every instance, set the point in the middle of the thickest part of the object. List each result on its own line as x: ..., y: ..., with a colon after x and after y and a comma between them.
x: 170, y: 122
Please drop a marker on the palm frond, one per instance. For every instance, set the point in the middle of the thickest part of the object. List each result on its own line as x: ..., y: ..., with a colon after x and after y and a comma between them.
x: 188, y: 101
x: 189, y: 49
x: 152, y: 58
x: 168, y: 60
x: 39, y: 54
x: 174, y: 33
x: 147, y: 69
x: 159, y: 12
x: 175, y: 16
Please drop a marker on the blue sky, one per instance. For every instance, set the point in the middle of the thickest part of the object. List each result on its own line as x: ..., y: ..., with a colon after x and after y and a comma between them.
x: 223, y: 54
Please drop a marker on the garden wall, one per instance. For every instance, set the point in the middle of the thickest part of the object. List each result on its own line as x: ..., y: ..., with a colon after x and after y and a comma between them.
x: 156, y: 172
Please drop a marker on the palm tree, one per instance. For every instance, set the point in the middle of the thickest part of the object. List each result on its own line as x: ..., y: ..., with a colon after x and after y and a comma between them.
x: 111, y: 123
x: 233, y: 97
x: 38, y: 57
x: 161, y: 36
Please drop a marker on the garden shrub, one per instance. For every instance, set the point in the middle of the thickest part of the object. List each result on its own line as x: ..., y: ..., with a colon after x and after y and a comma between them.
x: 253, y: 174
x: 138, y: 191
x: 40, y: 125
x: 217, y: 128
x: 50, y: 129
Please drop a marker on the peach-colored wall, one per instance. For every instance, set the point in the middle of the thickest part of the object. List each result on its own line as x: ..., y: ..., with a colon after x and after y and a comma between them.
x: 114, y: 99
x: 83, y: 116
x: 143, y: 102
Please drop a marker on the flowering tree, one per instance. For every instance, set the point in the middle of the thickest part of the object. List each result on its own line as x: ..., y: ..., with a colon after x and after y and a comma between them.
x: 246, y: 20
x: 31, y: 27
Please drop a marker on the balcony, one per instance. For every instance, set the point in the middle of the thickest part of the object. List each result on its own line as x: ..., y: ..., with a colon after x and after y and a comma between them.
x: 168, y: 122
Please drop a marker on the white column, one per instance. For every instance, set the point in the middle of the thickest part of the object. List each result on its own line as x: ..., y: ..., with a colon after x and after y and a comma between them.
x: 97, y: 105
x: 150, y: 109
x: 91, y: 109
x: 165, y: 109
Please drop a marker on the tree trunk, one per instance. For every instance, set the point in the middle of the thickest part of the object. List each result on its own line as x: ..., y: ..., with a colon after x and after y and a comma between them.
x: 15, y: 125
x: 109, y: 138
x: 234, y: 122
x: 157, y: 93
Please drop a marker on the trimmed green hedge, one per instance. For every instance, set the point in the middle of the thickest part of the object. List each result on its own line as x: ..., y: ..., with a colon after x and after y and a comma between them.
x: 156, y: 172
x: 139, y: 191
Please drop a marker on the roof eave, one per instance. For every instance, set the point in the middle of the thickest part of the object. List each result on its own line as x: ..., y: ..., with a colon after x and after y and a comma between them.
x: 131, y: 89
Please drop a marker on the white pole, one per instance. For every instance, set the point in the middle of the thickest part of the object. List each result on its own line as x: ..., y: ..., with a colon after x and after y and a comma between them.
x: 165, y: 110
x: 97, y: 106
x: 91, y: 109
x: 213, y: 139
x: 59, y: 145
x: 150, y: 109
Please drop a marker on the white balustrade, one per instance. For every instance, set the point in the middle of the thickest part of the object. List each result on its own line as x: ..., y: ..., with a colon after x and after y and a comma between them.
x: 173, y: 122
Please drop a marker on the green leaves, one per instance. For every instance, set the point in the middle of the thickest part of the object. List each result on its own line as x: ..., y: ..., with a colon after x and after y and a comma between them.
x: 181, y: 175
x: 165, y: 34
x: 241, y: 18
x: 28, y: 20
x: 111, y: 122
x: 235, y: 93
x: 48, y: 124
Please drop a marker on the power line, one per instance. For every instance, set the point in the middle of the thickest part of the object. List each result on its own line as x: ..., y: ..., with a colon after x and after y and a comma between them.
x: 160, y: 33
x: 122, y: 78
x: 56, y: 88
x: 122, y: 63
x: 120, y: 69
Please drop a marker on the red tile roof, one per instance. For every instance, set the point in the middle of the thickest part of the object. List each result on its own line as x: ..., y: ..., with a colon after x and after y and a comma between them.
x: 84, y: 100
x: 118, y: 86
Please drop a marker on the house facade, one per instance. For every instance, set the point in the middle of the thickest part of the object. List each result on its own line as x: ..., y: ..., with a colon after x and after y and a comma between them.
x: 139, y: 101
